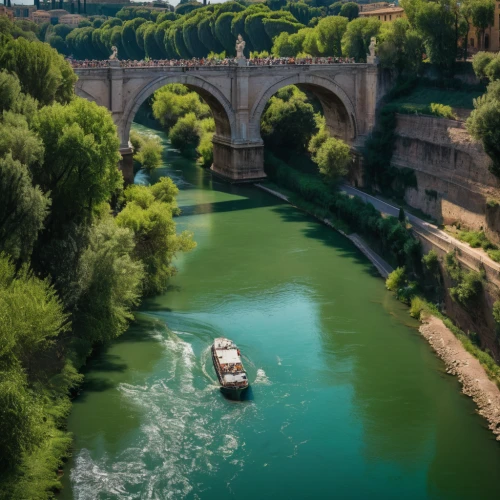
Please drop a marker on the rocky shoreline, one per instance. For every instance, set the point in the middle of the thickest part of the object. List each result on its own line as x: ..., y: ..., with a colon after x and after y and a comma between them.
x: 471, y: 375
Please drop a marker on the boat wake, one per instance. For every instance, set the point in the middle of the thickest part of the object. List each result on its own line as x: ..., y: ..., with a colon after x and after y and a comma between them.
x: 261, y: 378
x: 179, y: 418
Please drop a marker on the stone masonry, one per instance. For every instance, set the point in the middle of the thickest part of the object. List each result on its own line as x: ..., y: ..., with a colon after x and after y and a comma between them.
x: 237, y: 97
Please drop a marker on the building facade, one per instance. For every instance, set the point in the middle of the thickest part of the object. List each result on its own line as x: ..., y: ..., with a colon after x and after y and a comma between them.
x: 4, y: 11
x: 491, y: 41
x: 71, y: 19
x: 384, y: 14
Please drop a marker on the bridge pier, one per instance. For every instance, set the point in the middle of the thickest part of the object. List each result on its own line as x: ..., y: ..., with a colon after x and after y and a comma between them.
x: 237, y: 96
x: 126, y: 165
x: 238, y: 162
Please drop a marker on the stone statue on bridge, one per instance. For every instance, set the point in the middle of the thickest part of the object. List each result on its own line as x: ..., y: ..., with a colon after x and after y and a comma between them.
x: 114, y: 54
x: 371, y: 58
x: 240, y: 47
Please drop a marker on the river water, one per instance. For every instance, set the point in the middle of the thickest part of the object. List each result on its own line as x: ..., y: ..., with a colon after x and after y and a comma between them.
x: 347, y: 400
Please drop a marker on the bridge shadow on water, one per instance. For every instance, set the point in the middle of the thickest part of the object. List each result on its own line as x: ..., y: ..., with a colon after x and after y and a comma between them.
x: 328, y: 236
x: 227, y: 206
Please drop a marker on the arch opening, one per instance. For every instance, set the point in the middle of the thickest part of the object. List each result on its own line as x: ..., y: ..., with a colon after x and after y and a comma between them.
x: 338, y: 109
x: 220, y: 107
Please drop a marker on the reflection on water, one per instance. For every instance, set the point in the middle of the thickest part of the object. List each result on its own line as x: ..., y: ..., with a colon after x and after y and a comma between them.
x: 346, y: 399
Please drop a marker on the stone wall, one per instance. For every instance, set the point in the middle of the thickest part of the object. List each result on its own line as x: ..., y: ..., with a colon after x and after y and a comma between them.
x: 454, y: 183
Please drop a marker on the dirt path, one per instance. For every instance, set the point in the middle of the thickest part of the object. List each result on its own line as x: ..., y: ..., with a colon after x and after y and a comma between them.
x: 470, y: 373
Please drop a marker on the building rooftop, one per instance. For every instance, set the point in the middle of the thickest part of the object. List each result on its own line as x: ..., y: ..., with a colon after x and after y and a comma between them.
x: 385, y: 10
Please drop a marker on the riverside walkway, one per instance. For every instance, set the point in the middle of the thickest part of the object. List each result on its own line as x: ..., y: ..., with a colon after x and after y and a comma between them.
x: 473, y: 258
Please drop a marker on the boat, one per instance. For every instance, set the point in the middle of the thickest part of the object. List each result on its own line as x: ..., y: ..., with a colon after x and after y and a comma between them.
x: 229, y: 368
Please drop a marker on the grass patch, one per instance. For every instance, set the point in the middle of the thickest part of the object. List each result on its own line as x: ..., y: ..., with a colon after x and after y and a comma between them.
x: 423, y: 96
x: 477, y: 239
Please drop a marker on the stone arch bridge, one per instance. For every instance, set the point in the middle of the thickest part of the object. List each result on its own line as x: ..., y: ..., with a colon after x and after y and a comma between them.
x: 237, y: 96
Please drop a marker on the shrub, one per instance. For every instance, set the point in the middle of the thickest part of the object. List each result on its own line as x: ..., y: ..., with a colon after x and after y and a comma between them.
x: 149, y: 155
x: 416, y: 307
x: 184, y: 135
x: 441, y: 110
x: 332, y: 158
x: 431, y: 261
x: 396, y: 279
x: 480, y: 61
x: 452, y: 266
x: 468, y: 289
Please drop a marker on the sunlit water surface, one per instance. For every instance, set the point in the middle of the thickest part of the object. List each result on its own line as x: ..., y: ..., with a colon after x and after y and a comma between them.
x: 346, y: 399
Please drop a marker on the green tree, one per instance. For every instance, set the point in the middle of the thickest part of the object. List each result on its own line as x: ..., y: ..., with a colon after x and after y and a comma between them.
x: 480, y: 61
x: 190, y: 35
x: 396, y: 279
x: 205, y: 147
x: 185, y: 8
x: 18, y: 140
x: 174, y: 101
x: 207, y: 36
x: 349, y: 10
x: 399, y: 47
x: 484, y: 124
x: 156, y: 241
x: 357, y: 37
x: 333, y: 158
x: 129, y: 40
x: 10, y: 90
x: 288, y: 120
x: 309, y: 41
x: 335, y: 8
x: 330, y: 31
x: 184, y: 135
x: 436, y: 23
x: 149, y: 153
x: 23, y: 209
x: 81, y: 156
x: 402, y: 216
x: 42, y: 72
x: 482, y: 15
x: 152, y: 48
x: 109, y: 282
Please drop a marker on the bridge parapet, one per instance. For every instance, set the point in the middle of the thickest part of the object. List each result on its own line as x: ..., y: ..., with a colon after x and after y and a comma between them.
x: 237, y: 96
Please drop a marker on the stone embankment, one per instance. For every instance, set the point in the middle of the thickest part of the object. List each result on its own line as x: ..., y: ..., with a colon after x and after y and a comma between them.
x: 454, y: 184
x: 471, y: 375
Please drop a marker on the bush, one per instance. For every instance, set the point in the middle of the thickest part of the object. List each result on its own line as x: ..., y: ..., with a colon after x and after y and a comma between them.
x: 150, y: 152
x: 417, y: 306
x: 184, y: 135
x: 441, y: 110
x: 396, y: 279
x: 333, y: 157
x: 468, y: 290
x: 205, y: 147
x: 496, y: 312
x: 431, y: 262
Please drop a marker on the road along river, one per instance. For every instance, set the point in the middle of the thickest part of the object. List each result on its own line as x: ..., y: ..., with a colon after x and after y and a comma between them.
x: 347, y: 400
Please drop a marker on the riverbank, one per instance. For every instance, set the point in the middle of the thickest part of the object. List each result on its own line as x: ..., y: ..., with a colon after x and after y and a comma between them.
x: 471, y: 375
x: 458, y: 361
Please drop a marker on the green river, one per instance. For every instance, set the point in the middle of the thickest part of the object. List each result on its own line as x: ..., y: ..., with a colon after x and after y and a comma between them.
x: 347, y: 400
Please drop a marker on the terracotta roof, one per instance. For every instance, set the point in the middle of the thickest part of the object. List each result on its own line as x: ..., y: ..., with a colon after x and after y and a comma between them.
x: 386, y: 10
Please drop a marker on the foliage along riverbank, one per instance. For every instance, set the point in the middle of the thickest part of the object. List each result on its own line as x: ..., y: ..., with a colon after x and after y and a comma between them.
x: 77, y: 254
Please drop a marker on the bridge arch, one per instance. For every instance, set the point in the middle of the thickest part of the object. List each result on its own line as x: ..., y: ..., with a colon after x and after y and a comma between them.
x: 221, y: 108
x: 339, y: 112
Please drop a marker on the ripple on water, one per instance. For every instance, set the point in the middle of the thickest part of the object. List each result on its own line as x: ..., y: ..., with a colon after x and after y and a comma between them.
x: 179, y: 433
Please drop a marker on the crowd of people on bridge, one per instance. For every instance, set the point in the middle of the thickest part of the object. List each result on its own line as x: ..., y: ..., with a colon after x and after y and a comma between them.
x: 197, y: 62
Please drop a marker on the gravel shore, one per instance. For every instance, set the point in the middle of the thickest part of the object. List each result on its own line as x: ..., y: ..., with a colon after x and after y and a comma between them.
x: 471, y: 375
